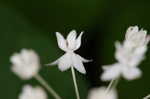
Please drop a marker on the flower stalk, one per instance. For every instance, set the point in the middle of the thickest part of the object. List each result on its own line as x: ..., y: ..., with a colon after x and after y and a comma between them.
x: 75, y: 82
x: 112, y: 85
x: 147, y: 97
x: 47, y: 86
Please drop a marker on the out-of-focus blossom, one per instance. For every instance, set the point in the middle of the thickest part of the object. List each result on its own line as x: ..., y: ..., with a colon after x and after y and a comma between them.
x: 100, y: 93
x: 129, y: 55
x: 25, y: 64
x: 30, y: 92
x: 70, y: 58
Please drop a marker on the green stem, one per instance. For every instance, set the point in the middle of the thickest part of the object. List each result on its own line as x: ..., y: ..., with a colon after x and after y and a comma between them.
x: 75, y: 83
x: 147, y: 97
x: 112, y: 84
x: 48, y: 87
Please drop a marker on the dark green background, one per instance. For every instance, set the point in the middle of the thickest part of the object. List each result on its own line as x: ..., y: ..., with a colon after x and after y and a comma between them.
x: 33, y: 23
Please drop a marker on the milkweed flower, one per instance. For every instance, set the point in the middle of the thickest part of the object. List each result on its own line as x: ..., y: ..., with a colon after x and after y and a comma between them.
x: 100, y: 93
x: 30, y: 92
x: 25, y: 64
x: 129, y: 55
x: 70, y: 58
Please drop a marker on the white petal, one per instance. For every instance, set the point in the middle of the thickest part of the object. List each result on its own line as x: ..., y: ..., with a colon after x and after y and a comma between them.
x: 111, y: 72
x: 61, y: 41
x: 21, y: 72
x: 138, y: 56
x: 26, y: 55
x: 29, y: 56
x: 131, y: 73
x: 141, y: 37
x: 131, y: 31
x: 118, y: 45
x: 53, y: 63
x: 83, y: 59
x: 16, y: 59
x: 119, y: 51
x: 147, y: 39
x: 78, y: 41
x: 77, y: 63
x: 65, y: 62
x: 71, y: 40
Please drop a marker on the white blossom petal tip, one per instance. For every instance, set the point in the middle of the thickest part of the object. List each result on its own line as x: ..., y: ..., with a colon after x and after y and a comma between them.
x: 61, y: 41
x: 25, y: 64
x: 100, y: 93
x: 52, y: 63
x: 83, y: 59
x: 78, y: 41
x: 29, y: 92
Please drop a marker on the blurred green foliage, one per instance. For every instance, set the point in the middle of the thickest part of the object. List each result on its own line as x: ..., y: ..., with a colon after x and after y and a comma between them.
x: 33, y: 23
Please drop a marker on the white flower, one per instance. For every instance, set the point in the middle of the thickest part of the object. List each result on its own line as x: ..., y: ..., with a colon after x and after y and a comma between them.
x: 29, y: 92
x: 70, y: 58
x: 129, y: 55
x: 25, y: 64
x: 100, y: 93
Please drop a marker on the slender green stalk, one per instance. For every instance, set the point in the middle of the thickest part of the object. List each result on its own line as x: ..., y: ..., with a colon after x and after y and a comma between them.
x: 48, y: 87
x: 116, y: 83
x: 112, y: 84
x: 147, y: 97
x: 75, y: 83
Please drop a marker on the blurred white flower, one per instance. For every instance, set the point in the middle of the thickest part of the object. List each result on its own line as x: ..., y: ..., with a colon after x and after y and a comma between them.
x: 25, y: 64
x: 29, y: 92
x: 100, y: 93
x: 70, y: 58
x: 129, y: 55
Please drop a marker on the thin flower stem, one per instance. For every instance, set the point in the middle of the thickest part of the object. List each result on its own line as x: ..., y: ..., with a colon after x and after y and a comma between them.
x: 147, y: 97
x: 116, y: 83
x: 47, y: 86
x: 75, y: 83
x: 110, y: 85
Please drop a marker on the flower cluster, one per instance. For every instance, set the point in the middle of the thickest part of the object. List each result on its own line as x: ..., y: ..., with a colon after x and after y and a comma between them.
x: 129, y: 55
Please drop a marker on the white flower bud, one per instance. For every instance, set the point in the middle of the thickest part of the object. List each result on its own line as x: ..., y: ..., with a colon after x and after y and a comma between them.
x: 100, y: 93
x: 29, y: 92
